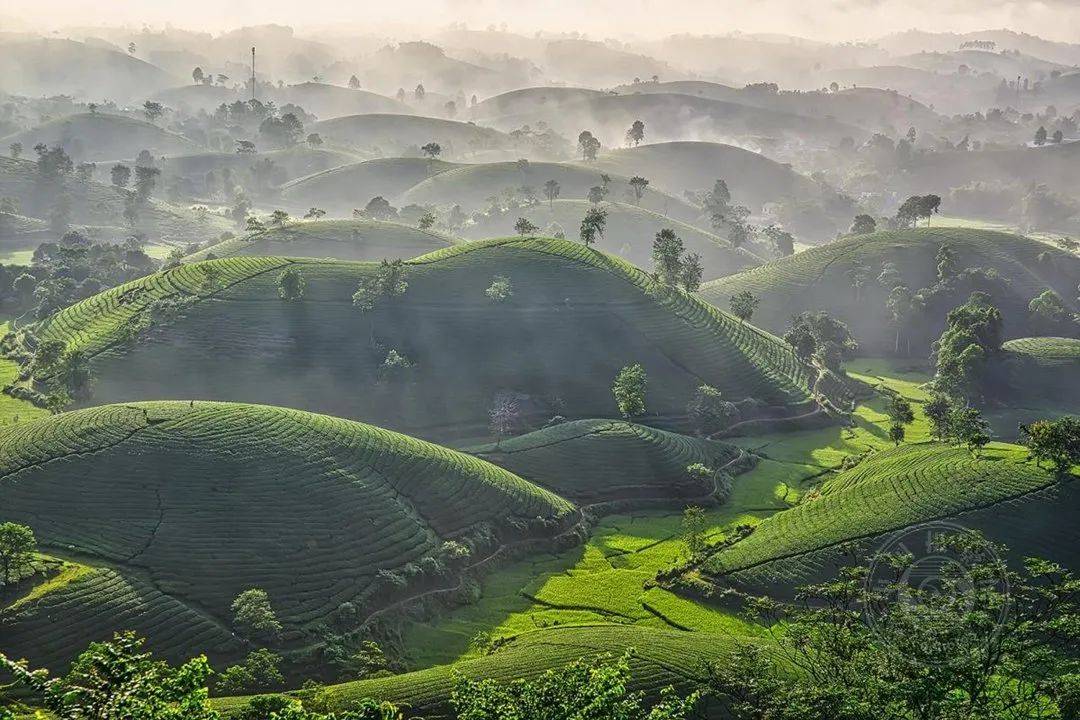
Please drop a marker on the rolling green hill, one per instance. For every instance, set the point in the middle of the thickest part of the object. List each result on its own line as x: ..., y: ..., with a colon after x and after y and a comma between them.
x: 219, y: 330
x: 338, y: 239
x: 339, y: 190
x: 1042, y: 378
x: 170, y: 509
x: 327, y: 101
x: 661, y: 658
x: 629, y: 233
x: 818, y: 279
x: 97, y: 204
x: 601, y: 460
x: 472, y: 185
x: 1007, y: 497
x: 395, y: 133
x: 289, y: 164
x: 91, y: 137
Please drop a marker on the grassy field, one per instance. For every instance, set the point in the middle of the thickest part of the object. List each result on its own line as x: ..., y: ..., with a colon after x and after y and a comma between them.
x: 306, y: 506
x: 575, y: 315
x: 629, y: 233
x: 817, y: 279
x: 369, y: 240
x: 12, y: 410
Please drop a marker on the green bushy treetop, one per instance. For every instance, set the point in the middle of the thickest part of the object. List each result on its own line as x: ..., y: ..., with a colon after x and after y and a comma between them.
x: 629, y: 390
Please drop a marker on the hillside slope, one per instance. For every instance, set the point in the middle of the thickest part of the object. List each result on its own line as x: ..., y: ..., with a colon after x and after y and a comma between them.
x: 174, y: 508
x: 370, y: 240
x: 393, y: 134
x: 219, y: 330
x: 819, y: 279
x: 93, y: 137
x: 340, y: 190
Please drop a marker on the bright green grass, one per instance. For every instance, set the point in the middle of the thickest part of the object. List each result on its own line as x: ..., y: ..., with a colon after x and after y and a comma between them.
x: 11, y: 409
x: 186, y: 505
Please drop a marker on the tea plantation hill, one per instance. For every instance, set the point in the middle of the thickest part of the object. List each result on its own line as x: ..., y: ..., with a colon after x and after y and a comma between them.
x: 337, y: 239
x: 93, y: 137
x: 1044, y: 371
x: 394, y: 133
x: 661, y: 657
x: 1001, y: 493
x: 591, y: 461
x: 820, y: 279
x: 98, y: 204
x: 576, y: 316
x: 167, y: 510
x: 340, y: 190
x: 629, y: 233
x: 288, y: 165
x: 471, y: 186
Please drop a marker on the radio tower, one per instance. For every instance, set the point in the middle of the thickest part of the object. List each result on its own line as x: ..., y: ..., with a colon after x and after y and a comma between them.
x: 252, y: 72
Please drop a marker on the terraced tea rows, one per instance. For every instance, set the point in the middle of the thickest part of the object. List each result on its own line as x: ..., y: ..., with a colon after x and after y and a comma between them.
x: 660, y: 658
x: 368, y: 240
x: 188, y: 504
x: 1046, y: 351
x: 575, y: 315
x: 819, y: 278
x: 890, y: 490
x: 599, y: 460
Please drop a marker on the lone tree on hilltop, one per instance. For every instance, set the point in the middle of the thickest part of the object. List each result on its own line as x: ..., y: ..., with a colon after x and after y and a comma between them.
x: 253, y: 615
x: 1040, y: 136
x: 551, y: 191
x: 17, y: 546
x: 629, y: 390
x: 524, y: 227
x: 354, y: 82
x: 379, y: 208
x: 863, y: 224
x: 638, y: 185
x: 278, y: 218
x: 153, y: 110
x: 432, y: 150
x: 314, y: 213
x: 636, y: 133
x: 592, y: 226
x: 743, y: 304
x: 588, y: 145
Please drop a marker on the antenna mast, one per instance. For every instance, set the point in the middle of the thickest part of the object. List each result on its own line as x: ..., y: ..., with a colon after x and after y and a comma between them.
x: 252, y: 72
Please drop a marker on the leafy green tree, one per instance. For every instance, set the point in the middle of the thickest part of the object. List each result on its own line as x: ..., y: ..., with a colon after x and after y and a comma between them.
x: 388, y: 283
x: 691, y: 272
x: 281, y: 707
x: 394, y: 365
x: 903, y: 307
x: 53, y: 163
x: 261, y: 670
x: 596, y: 194
x: 426, y: 221
x: 1057, y: 441
x: 278, y: 218
x: 588, y: 145
x: 379, y: 208
x: 863, y: 225
x: 17, y: 547
x: 667, y: 250
x: 900, y: 414
x: 291, y: 284
x: 432, y: 150
x: 120, y: 175
x: 153, y: 110
x: 694, y: 523
x: 592, y: 226
x: 938, y: 410
x: 629, y: 390
x: 971, y: 339
x: 636, y: 133
x: 253, y: 225
x: 708, y: 412
x: 551, y: 191
x: 524, y: 227
x: 969, y: 428
x: 783, y: 241
x: 981, y: 642
x: 254, y: 616
x: 314, y: 213
x: 354, y: 82
x: 638, y: 185
x: 743, y: 304
x: 500, y: 290
x: 1040, y: 135
x: 897, y: 433
x: 116, y: 680
x: 588, y: 689
x: 145, y: 181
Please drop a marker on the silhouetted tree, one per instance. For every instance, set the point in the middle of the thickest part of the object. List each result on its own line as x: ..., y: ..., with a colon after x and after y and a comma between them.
x: 636, y: 133
x: 743, y: 305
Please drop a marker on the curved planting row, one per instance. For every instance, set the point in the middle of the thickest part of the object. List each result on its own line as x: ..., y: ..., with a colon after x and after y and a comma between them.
x: 1046, y: 350
x: 889, y: 490
x: 599, y: 460
x: 205, y: 500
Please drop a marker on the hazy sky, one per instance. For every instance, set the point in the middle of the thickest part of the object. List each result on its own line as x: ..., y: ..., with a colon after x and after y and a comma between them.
x: 825, y: 19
